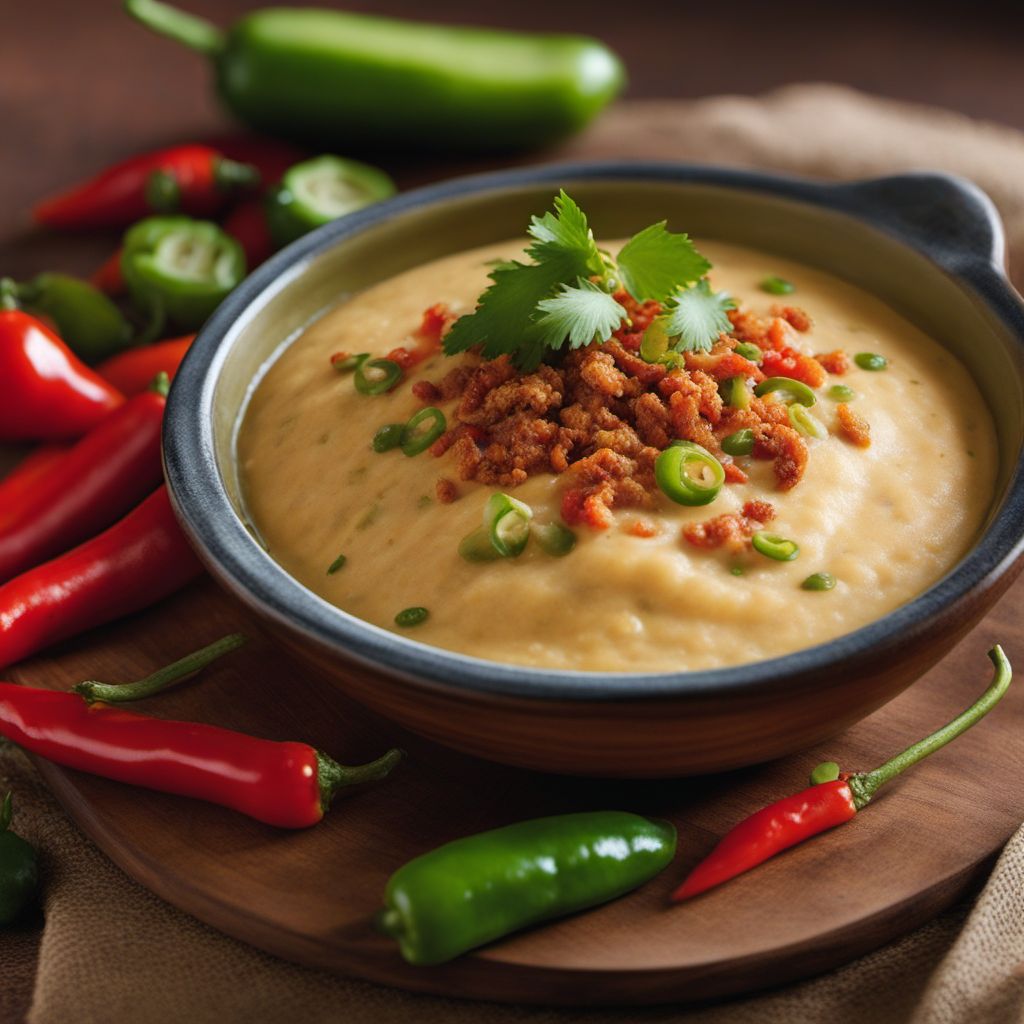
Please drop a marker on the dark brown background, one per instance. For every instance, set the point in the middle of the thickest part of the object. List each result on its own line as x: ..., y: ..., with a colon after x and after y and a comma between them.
x: 81, y: 84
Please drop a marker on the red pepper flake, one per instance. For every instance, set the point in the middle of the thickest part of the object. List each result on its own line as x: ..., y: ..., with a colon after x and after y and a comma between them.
x: 582, y: 508
x: 642, y: 528
x: 797, y: 318
x: 446, y: 490
x: 788, y: 362
x: 733, y: 473
x: 731, y: 530
x: 837, y: 362
x: 426, y: 392
x: 339, y: 357
x: 854, y: 427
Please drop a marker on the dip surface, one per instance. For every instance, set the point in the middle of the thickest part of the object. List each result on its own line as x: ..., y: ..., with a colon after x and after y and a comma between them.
x: 887, y: 521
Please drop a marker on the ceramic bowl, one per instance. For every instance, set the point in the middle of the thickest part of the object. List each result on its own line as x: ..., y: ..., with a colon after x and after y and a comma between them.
x: 929, y: 245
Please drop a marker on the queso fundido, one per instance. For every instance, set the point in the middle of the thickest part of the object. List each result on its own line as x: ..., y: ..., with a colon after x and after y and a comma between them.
x: 628, y: 458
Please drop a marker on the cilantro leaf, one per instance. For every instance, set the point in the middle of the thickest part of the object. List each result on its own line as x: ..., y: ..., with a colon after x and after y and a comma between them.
x: 695, y: 316
x: 582, y: 313
x: 655, y: 262
x: 565, y: 230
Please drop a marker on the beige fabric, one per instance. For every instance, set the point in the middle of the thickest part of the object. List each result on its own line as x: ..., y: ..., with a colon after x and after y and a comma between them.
x: 112, y: 952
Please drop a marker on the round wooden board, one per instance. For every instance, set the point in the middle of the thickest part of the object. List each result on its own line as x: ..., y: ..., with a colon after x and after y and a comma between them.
x: 310, y: 896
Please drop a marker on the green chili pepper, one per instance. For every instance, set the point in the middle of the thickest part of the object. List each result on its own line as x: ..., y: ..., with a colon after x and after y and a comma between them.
x: 737, y: 393
x: 819, y: 581
x: 689, y: 474
x: 555, y: 539
x: 508, y: 521
x: 740, y: 443
x: 477, y: 889
x: 320, y: 190
x: 477, y: 546
x: 870, y: 361
x: 796, y: 390
x: 19, y: 869
x: 339, y: 79
x: 654, y: 343
x: 180, y: 269
x: 777, y: 286
x: 387, y: 437
x: 86, y: 319
x: 375, y: 376
x: 841, y: 393
x: 408, y: 617
x: 422, y: 430
x: 771, y: 545
x: 749, y: 351
x: 806, y: 422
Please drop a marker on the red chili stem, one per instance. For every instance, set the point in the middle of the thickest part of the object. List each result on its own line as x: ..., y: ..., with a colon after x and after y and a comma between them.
x: 132, y: 565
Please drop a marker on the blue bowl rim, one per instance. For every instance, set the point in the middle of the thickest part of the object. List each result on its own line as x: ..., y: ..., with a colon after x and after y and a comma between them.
x: 969, y: 246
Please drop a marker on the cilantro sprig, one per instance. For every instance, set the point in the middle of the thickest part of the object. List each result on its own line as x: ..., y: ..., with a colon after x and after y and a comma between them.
x: 564, y: 296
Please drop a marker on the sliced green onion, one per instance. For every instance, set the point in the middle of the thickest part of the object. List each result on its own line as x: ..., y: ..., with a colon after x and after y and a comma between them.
x: 827, y: 771
x: 841, y: 393
x: 389, y: 436
x: 350, y: 363
x: 749, y: 351
x: 797, y: 390
x: 689, y: 474
x: 477, y: 546
x: 555, y: 538
x: 819, y: 581
x: 870, y: 361
x: 737, y: 570
x: 773, y: 546
x: 806, y: 422
x: 672, y: 359
x: 777, y: 286
x: 375, y: 376
x: 654, y: 343
x: 508, y: 521
x: 423, y: 430
x: 411, y: 617
x: 738, y: 393
x: 740, y: 443
x: 336, y: 565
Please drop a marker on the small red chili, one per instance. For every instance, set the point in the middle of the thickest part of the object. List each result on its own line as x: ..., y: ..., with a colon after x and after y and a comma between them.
x: 290, y: 785
x: 795, y: 818
x: 247, y: 223
x: 139, y: 560
x: 95, y: 482
x: 132, y: 372
x: 108, y: 277
x: 192, y: 179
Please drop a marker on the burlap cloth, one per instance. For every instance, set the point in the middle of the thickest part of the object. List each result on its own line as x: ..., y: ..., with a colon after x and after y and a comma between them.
x: 110, y: 952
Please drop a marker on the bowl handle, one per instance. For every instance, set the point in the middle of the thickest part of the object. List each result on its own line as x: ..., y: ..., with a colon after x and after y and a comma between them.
x: 948, y: 218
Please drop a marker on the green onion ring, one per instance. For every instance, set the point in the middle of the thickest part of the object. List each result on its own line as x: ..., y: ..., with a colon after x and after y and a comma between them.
x: 411, y: 617
x: 797, y: 390
x: 672, y: 472
x: 386, y: 374
x: 477, y: 546
x: 775, y: 285
x: 749, y: 351
x: 350, y: 363
x: 387, y: 437
x: 819, y: 581
x: 806, y: 422
x: 508, y: 522
x: 841, y: 393
x: 740, y: 443
x: 870, y: 361
x: 555, y: 538
x: 418, y: 435
x: 773, y: 546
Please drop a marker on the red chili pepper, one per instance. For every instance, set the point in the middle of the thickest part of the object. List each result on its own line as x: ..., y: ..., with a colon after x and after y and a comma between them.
x: 34, y: 465
x: 133, y: 371
x: 130, y: 566
x: 108, y: 277
x: 290, y: 785
x: 247, y: 222
x: 270, y: 157
x: 829, y: 803
x: 46, y: 392
x: 192, y: 179
x: 96, y: 482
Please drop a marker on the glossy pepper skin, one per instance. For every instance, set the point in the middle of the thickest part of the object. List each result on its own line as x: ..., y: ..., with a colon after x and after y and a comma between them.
x: 88, y: 322
x: 179, y: 269
x: 132, y: 372
x: 337, y: 79
x: 19, y: 869
x: 106, y: 474
x: 21, y: 478
x: 477, y: 889
x: 108, y: 277
x: 46, y: 392
x: 137, y: 562
x: 193, y: 179
x: 247, y: 223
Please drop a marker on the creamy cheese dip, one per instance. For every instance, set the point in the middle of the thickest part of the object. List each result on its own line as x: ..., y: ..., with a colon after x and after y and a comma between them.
x: 887, y: 521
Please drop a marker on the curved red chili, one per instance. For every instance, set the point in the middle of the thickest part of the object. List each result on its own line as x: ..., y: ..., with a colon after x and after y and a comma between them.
x: 103, y: 476
x: 133, y: 371
x: 46, y: 392
x: 247, y: 223
x: 192, y: 179
x: 795, y: 818
x: 139, y: 560
x: 34, y: 465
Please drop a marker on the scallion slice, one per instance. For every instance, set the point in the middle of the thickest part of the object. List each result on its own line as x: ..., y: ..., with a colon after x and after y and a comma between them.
x: 740, y: 443
x: 749, y: 351
x: 411, y: 617
x: 841, y: 393
x: 806, y: 422
x: 555, y: 538
x: 819, y: 581
x: 775, y: 285
x: 737, y: 392
x: 336, y: 565
x: 422, y: 430
x: 387, y: 437
x: 689, y: 474
x: 870, y: 361
x: 797, y: 390
x: 654, y: 344
x: 350, y: 363
x: 477, y: 546
x: 773, y: 546
x: 508, y: 521
x: 375, y: 376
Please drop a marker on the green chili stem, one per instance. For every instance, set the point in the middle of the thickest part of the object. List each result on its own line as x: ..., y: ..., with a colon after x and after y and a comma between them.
x: 865, y: 785
x: 8, y: 293
x: 332, y: 776
x: 195, y: 33
x: 115, y: 693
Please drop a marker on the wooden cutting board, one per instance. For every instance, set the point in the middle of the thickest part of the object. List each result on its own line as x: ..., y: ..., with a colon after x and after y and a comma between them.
x: 309, y: 896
